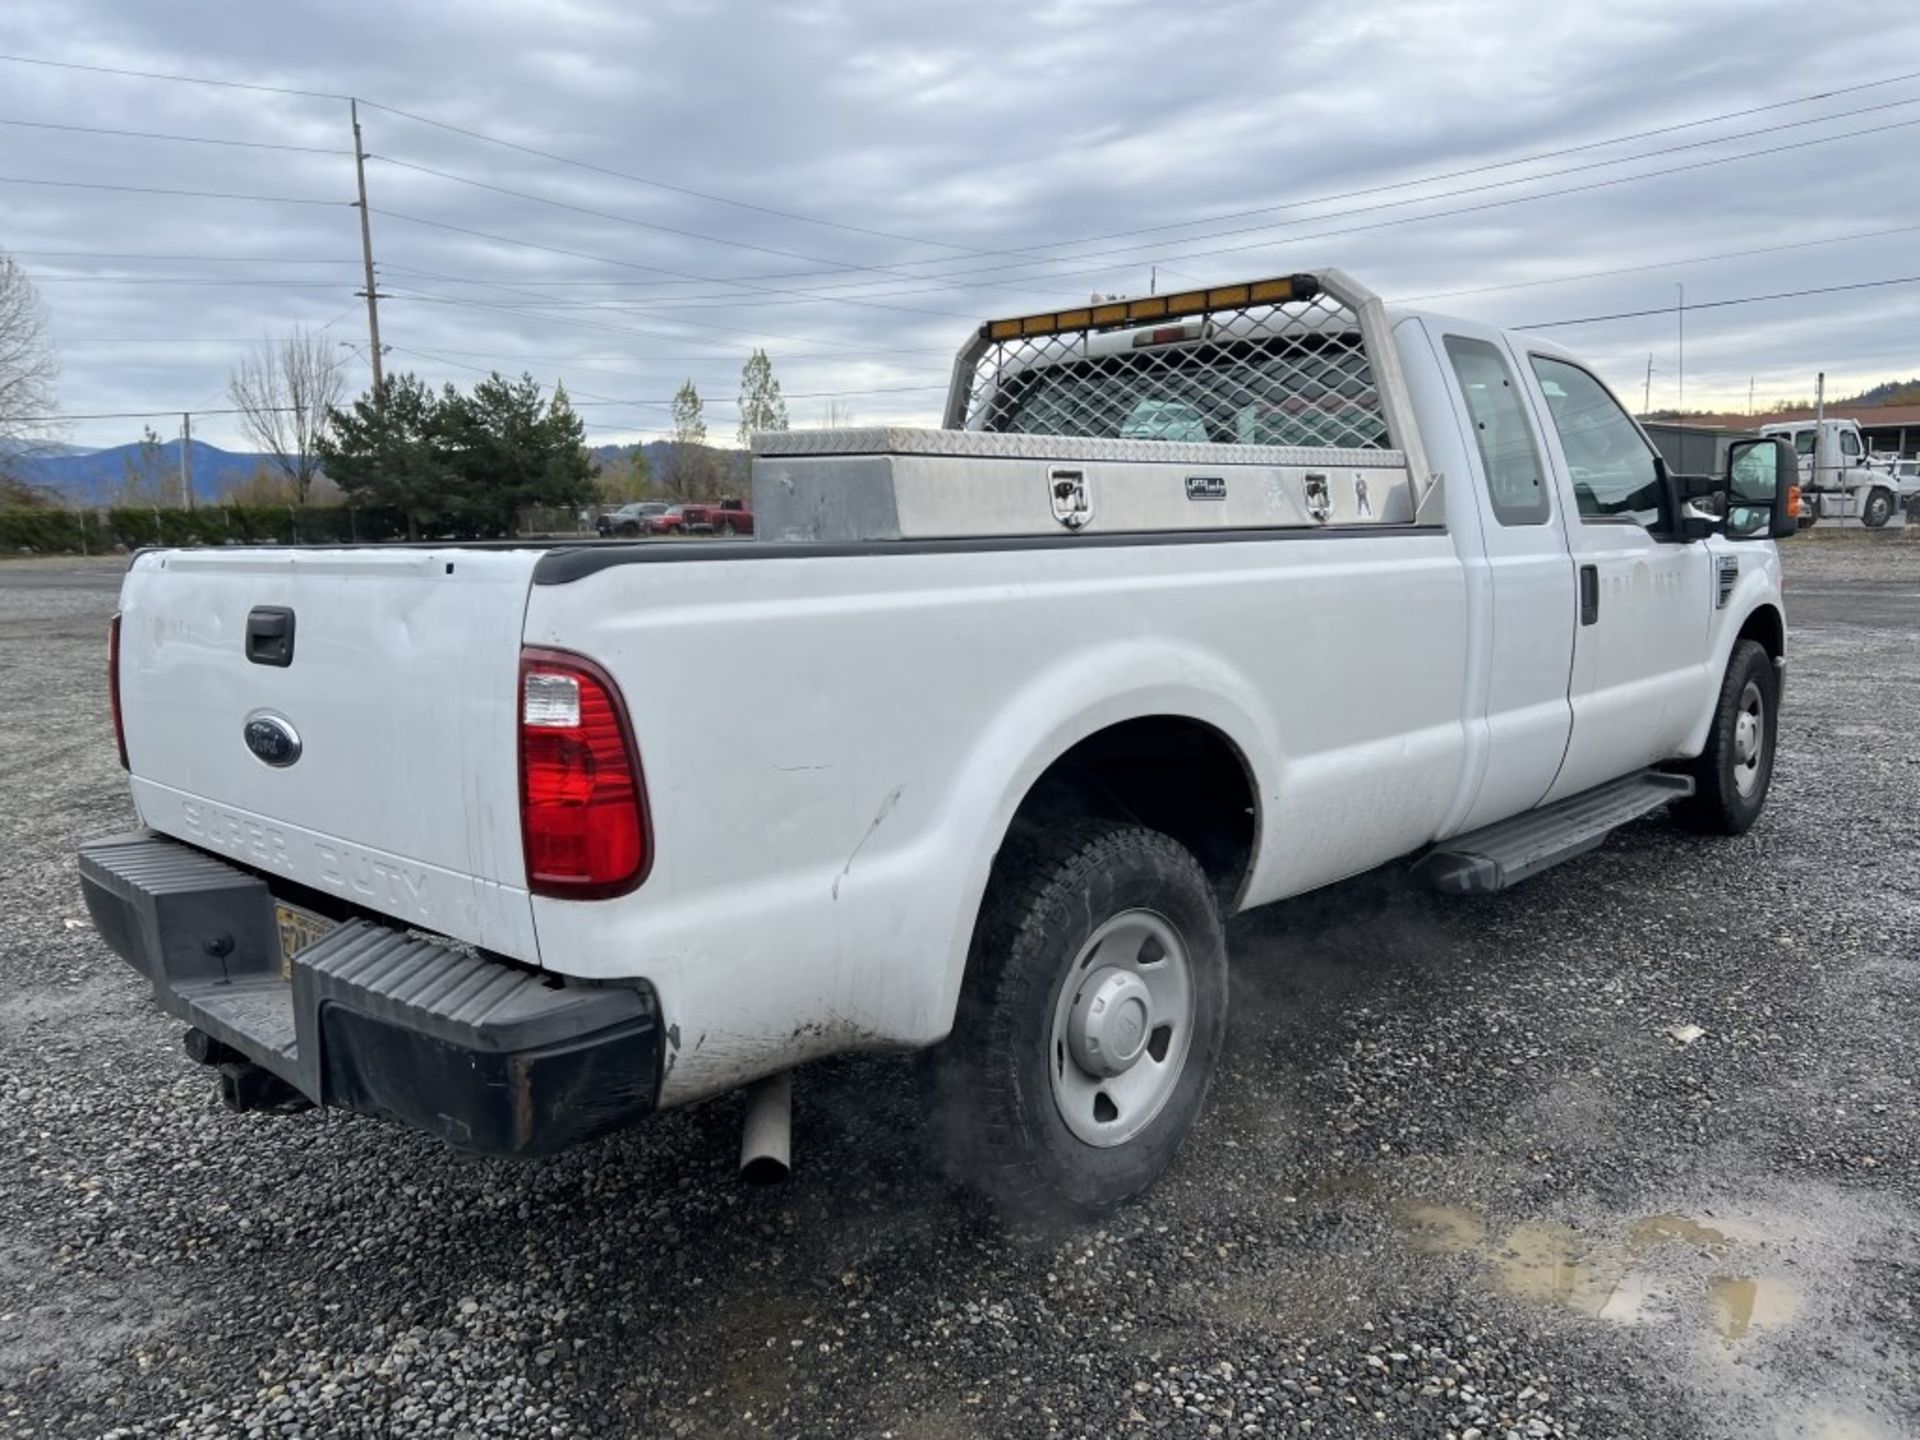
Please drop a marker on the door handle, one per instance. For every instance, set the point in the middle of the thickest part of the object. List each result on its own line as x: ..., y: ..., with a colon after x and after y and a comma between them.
x: 1589, y: 594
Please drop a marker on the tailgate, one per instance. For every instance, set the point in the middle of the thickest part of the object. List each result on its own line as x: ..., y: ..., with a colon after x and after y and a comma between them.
x: 402, y: 793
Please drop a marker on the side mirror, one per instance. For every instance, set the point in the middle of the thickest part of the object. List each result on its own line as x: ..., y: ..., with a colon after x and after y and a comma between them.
x: 1763, y: 491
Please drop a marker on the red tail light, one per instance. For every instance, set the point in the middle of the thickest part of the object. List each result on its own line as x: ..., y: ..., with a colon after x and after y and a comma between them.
x: 113, y: 689
x: 583, y: 805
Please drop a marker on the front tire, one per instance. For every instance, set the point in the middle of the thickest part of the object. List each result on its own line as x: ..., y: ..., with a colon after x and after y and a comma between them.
x: 1734, y: 772
x: 1094, y: 1012
x: 1878, y: 509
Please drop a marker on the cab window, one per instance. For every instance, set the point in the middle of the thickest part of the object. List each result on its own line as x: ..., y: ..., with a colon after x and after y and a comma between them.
x: 1849, y: 444
x: 1803, y: 442
x: 1516, y: 480
x: 1615, y: 477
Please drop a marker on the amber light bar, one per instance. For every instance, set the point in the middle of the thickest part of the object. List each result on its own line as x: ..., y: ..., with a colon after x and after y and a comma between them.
x: 1118, y: 314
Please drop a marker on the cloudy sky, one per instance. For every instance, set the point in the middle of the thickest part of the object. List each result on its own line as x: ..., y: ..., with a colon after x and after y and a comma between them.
x: 855, y: 184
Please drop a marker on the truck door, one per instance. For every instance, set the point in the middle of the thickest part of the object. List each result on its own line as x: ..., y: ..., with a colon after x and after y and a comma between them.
x: 1644, y: 600
x: 1530, y: 645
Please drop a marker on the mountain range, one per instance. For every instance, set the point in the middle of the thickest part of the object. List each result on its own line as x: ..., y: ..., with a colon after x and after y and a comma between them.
x: 99, y: 477
x: 77, y: 476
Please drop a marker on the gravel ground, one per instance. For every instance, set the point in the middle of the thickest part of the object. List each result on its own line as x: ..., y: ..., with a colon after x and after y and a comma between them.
x: 1458, y: 1178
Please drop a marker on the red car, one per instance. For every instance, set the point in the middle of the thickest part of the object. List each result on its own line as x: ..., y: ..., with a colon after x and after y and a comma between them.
x: 731, y: 517
x: 671, y: 521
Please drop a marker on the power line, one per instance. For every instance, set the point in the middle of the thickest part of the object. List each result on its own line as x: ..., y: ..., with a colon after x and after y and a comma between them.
x: 1533, y: 159
x: 259, y: 282
x: 681, y: 189
x: 851, y: 345
x: 506, y: 144
x: 1230, y: 215
x: 1064, y: 259
x: 181, y: 139
x: 161, y: 190
x: 606, y: 170
x: 1508, y: 200
x: 173, y: 79
x: 206, y: 259
x: 1661, y: 264
x: 1717, y: 304
x: 995, y: 277
x: 744, y: 284
x: 142, y: 414
x: 960, y: 278
x: 952, y: 279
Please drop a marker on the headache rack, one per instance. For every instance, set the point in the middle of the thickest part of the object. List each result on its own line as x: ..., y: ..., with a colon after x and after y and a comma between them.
x: 1269, y: 403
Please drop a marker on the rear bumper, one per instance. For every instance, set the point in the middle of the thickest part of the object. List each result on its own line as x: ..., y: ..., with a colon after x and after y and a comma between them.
x: 490, y: 1058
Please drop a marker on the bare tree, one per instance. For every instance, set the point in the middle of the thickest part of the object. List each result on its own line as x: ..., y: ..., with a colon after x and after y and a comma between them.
x: 284, y: 390
x: 27, y: 368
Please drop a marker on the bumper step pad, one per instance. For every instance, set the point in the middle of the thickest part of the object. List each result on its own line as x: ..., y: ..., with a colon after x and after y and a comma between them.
x: 488, y: 1056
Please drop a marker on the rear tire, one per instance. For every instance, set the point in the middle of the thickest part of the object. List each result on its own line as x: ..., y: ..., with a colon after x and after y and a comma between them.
x: 1734, y: 772
x: 1094, y: 1011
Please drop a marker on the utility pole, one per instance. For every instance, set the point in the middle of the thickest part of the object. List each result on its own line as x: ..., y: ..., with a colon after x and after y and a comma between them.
x: 1819, y: 425
x: 1153, y: 279
x: 1646, y: 395
x: 186, y: 465
x: 1749, y: 394
x: 366, y: 251
x: 1681, y: 362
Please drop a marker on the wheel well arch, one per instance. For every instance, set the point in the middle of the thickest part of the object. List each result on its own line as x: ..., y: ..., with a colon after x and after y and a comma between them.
x: 1768, y: 628
x: 1172, y: 773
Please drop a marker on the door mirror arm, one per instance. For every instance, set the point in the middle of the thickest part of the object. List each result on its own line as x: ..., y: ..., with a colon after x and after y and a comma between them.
x: 1696, y: 503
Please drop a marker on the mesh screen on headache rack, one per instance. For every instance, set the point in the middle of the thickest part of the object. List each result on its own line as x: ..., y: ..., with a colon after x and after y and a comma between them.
x: 1294, y: 374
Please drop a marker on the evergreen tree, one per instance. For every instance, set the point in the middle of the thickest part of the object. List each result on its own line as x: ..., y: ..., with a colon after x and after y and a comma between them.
x: 510, y: 450
x: 387, y: 452
x: 461, y: 463
x: 761, y: 407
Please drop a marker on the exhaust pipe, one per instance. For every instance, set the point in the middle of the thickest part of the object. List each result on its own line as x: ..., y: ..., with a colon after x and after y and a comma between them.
x: 766, y: 1141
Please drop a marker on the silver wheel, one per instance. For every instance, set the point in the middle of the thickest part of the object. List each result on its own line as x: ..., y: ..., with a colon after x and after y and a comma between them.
x: 1749, y: 739
x: 1121, y: 1028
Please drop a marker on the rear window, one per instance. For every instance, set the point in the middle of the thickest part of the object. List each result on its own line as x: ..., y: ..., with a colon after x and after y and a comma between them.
x: 1281, y: 391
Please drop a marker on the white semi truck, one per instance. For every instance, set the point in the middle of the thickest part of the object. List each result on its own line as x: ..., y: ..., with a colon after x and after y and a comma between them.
x: 1839, y: 479
x: 1195, y: 603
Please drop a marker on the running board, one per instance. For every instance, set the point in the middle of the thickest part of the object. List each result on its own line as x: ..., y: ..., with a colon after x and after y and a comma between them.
x: 1497, y: 856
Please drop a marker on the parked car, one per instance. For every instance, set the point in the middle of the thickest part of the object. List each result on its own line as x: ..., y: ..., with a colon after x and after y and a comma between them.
x: 732, y: 517
x: 670, y: 520
x: 630, y: 520
x: 1018, y: 713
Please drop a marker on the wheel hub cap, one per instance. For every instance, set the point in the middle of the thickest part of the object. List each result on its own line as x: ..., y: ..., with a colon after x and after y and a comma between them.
x: 1122, y: 1026
x: 1749, y: 740
x: 1111, y: 1021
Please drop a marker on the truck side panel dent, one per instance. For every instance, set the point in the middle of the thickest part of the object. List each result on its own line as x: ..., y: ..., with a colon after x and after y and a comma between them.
x: 883, y: 718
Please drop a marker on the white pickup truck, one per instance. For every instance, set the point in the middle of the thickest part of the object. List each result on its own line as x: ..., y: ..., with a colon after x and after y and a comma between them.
x: 1195, y: 603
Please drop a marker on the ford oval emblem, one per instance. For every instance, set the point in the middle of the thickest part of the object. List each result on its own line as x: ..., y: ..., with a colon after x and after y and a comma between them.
x: 272, y: 738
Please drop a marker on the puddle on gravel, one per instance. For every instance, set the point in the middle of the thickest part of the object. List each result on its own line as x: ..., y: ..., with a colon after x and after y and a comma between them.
x: 1611, y: 1279
x: 1740, y: 1303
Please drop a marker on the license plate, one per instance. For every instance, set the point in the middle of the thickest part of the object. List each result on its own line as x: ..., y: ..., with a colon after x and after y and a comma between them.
x: 298, y: 929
